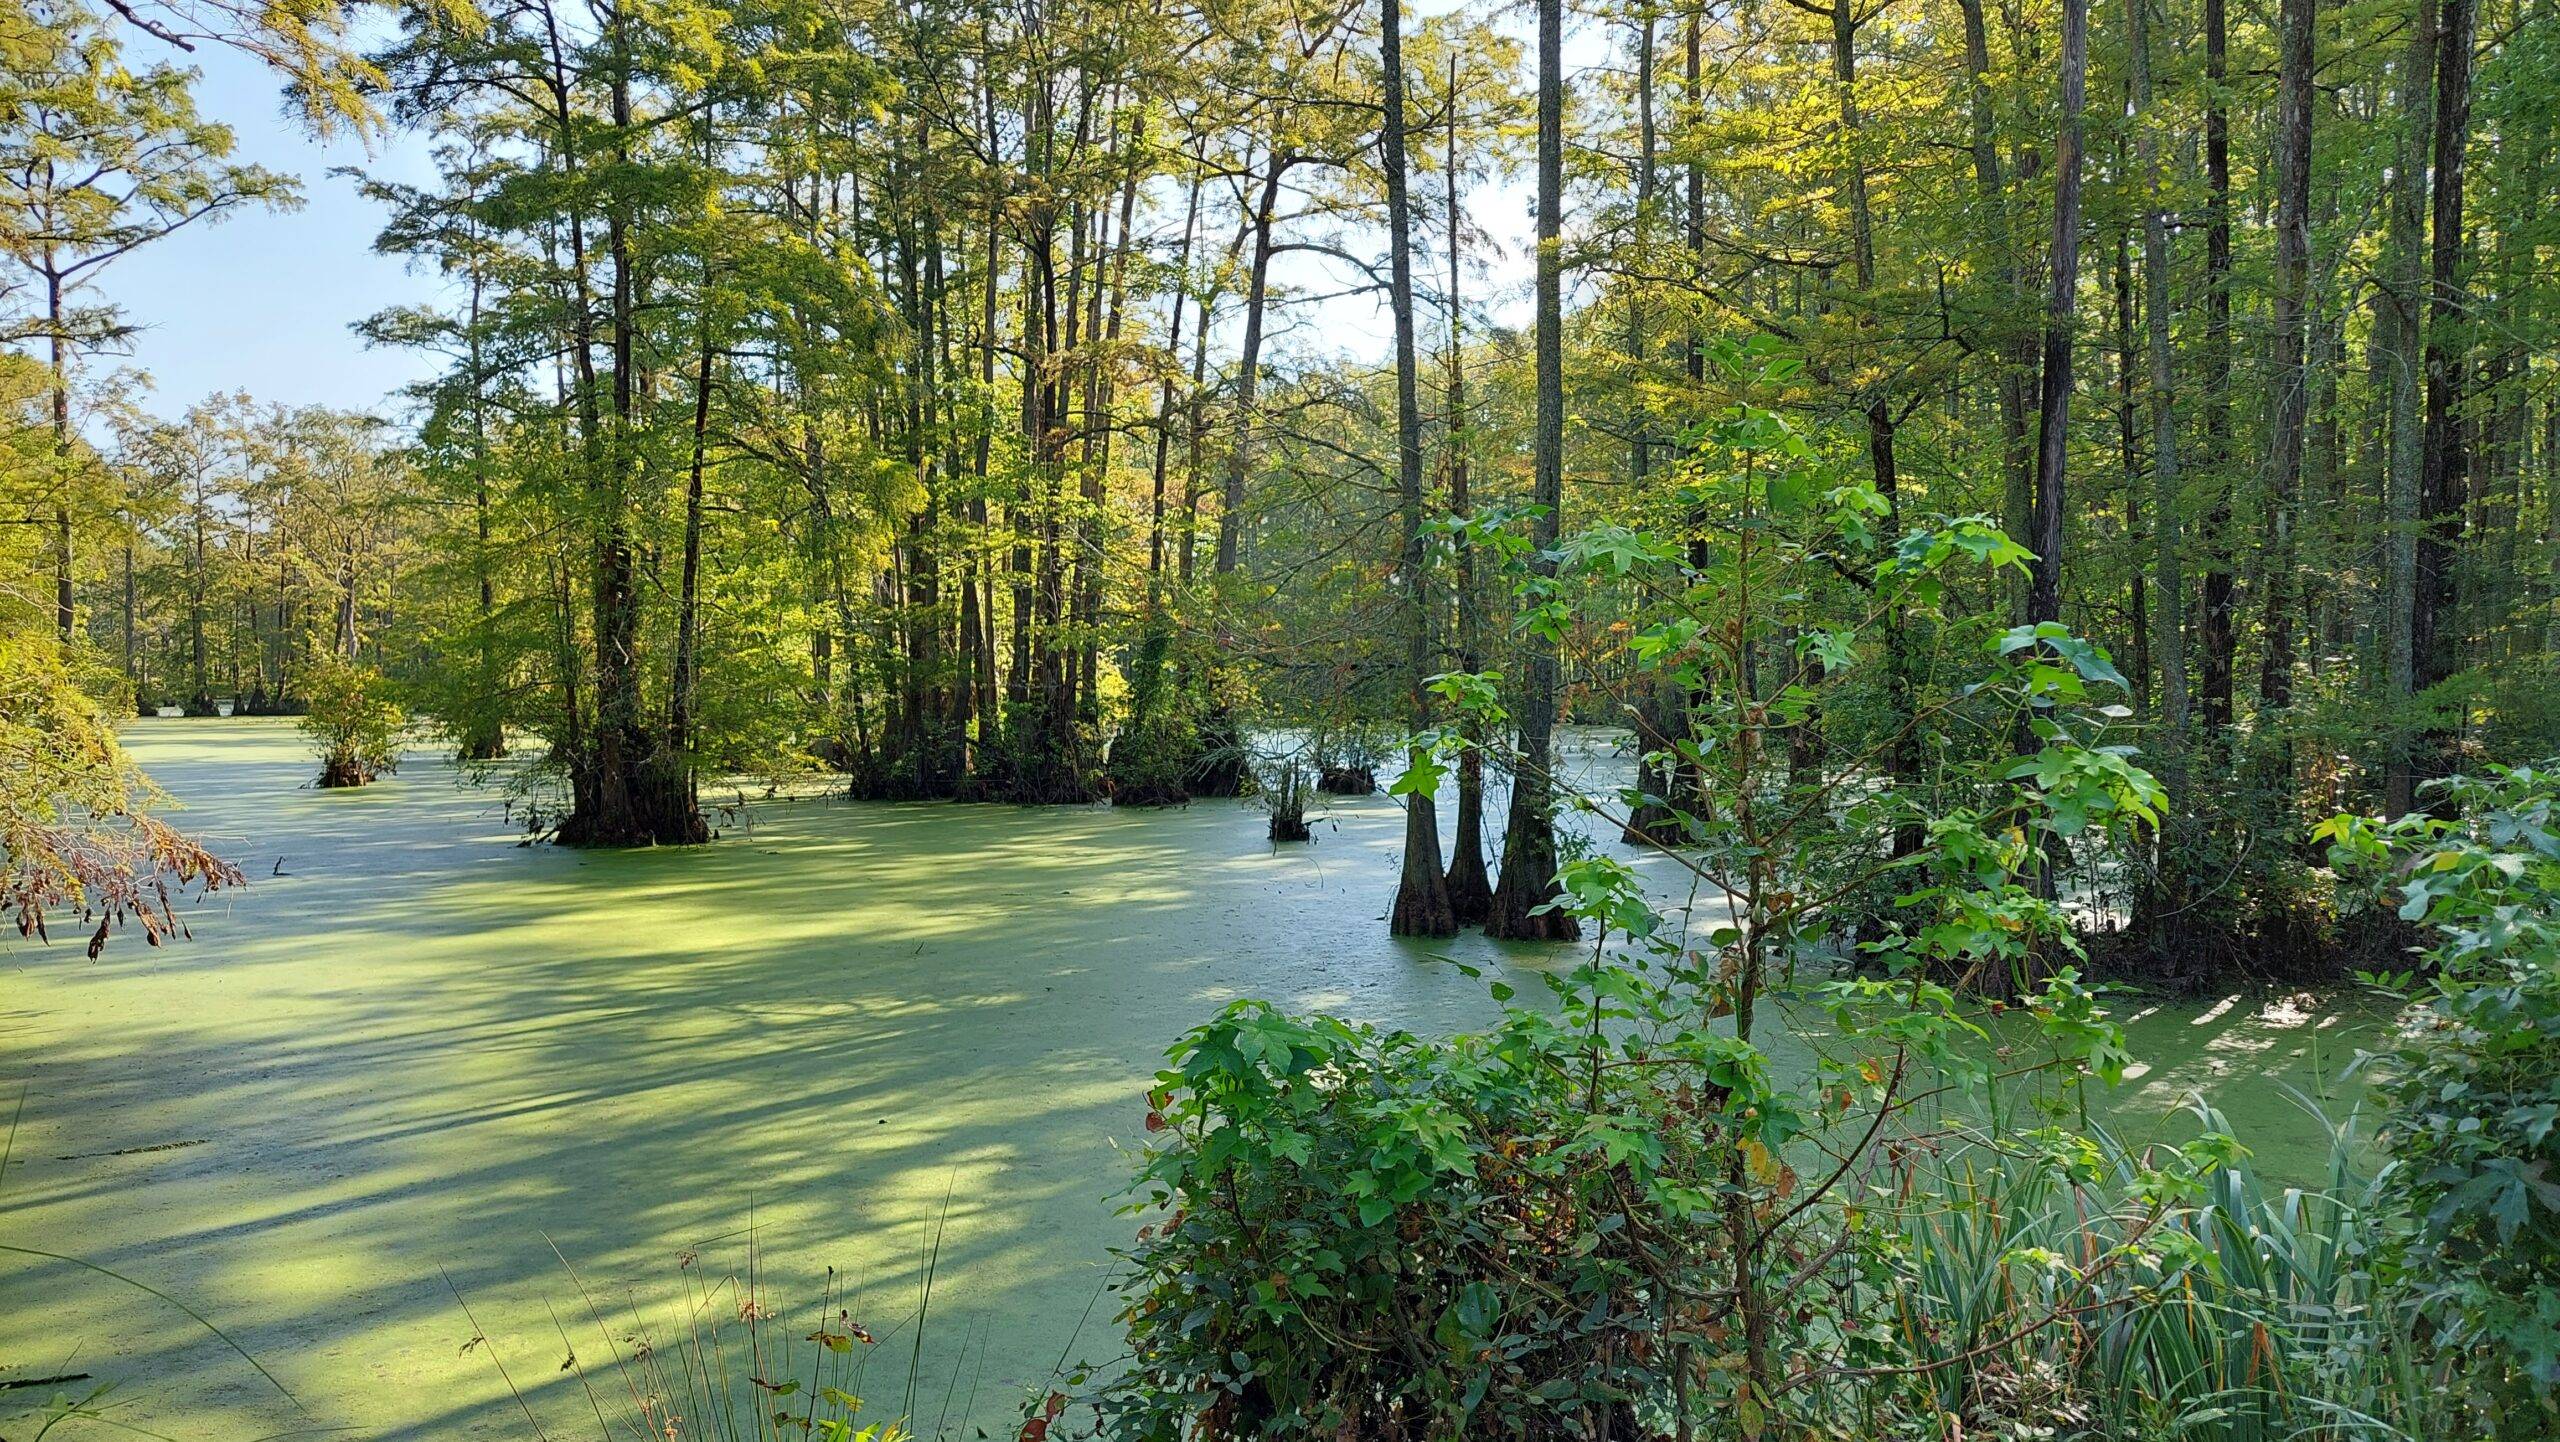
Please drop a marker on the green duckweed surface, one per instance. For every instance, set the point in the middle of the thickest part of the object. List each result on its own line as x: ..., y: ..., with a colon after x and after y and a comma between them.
x: 412, y: 1058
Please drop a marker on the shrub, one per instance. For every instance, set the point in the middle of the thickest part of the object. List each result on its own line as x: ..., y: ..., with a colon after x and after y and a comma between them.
x: 353, y: 720
x: 1152, y: 760
x: 2473, y: 1081
x: 1358, y: 1233
x: 1367, y: 1233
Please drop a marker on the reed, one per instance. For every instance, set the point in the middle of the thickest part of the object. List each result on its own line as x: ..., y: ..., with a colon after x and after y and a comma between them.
x: 2131, y: 1299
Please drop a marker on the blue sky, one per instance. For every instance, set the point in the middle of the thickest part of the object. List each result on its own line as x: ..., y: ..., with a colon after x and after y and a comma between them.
x: 262, y: 302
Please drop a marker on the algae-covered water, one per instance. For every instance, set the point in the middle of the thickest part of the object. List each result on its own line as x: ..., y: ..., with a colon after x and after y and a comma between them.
x: 411, y: 1059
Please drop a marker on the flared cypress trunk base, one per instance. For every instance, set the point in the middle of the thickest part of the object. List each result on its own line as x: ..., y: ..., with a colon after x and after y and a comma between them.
x: 686, y: 828
x: 652, y: 805
x: 1422, y: 895
x: 1220, y: 769
x: 1348, y: 781
x: 1149, y: 792
x: 1041, y: 756
x: 1470, y: 888
x: 1041, y: 778
x: 1422, y: 911
x: 1527, y: 882
x: 1149, y: 763
x: 1513, y: 916
x: 1651, y: 824
x: 1651, y: 821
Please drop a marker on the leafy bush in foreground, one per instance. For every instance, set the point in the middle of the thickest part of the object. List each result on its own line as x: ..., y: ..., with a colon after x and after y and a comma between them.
x: 2473, y: 1082
x: 1370, y: 1229
x: 1356, y: 1233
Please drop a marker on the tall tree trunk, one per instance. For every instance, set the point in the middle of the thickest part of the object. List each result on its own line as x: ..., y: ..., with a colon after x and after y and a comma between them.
x: 1422, y: 894
x: 1658, y: 718
x: 1221, y: 770
x: 680, y: 685
x: 1902, y: 757
x: 1164, y: 403
x: 1527, y: 880
x: 1690, y: 788
x: 2435, y: 635
x: 988, y: 716
x: 2053, y: 437
x: 2218, y: 638
x: 487, y: 738
x: 132, y: 608
x: 200, y: 684
x: 1249, y: 368
x: 1470, y: 890
x: 66, y: 613
x: 2011, y: 351
x: 2044, y: 597
x: 1103, y: 322
x: 2165, y: 898
x: 2129, y: 453
x: 2399, y: 326
x: 1147, y: 685
x: 615, y: 803
x: 2277, y: 621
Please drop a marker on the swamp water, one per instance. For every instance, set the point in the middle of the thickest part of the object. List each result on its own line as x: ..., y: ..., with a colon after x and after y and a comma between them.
x: 411, y: 1058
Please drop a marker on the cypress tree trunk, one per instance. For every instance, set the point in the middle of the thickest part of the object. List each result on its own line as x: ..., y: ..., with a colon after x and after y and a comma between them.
x: 2292, y: 339
x: 1902, y: 757
x: 1221, y: 770
x: 2398, y: 328
x: 1249, y: 368
x: 2013, y: 354
x: 2217, y: 638
x: 132, y: 650
x: 2053, y: 448
x: 65, y: 608
x: 2164, y: 899
x: 1527, y: 880
x: 487, y: 739
x: 680, y: 689
x: 624, y: 797
x: 1692, y: 785
x: 2435, y: 635
x: 2044, y: 597
x: 199, y: 683
x: 1650, y: 820
x: 1153, y: 777
x: 1422, y: 895
x: 1470, y: 889
x: 2129, y: 452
